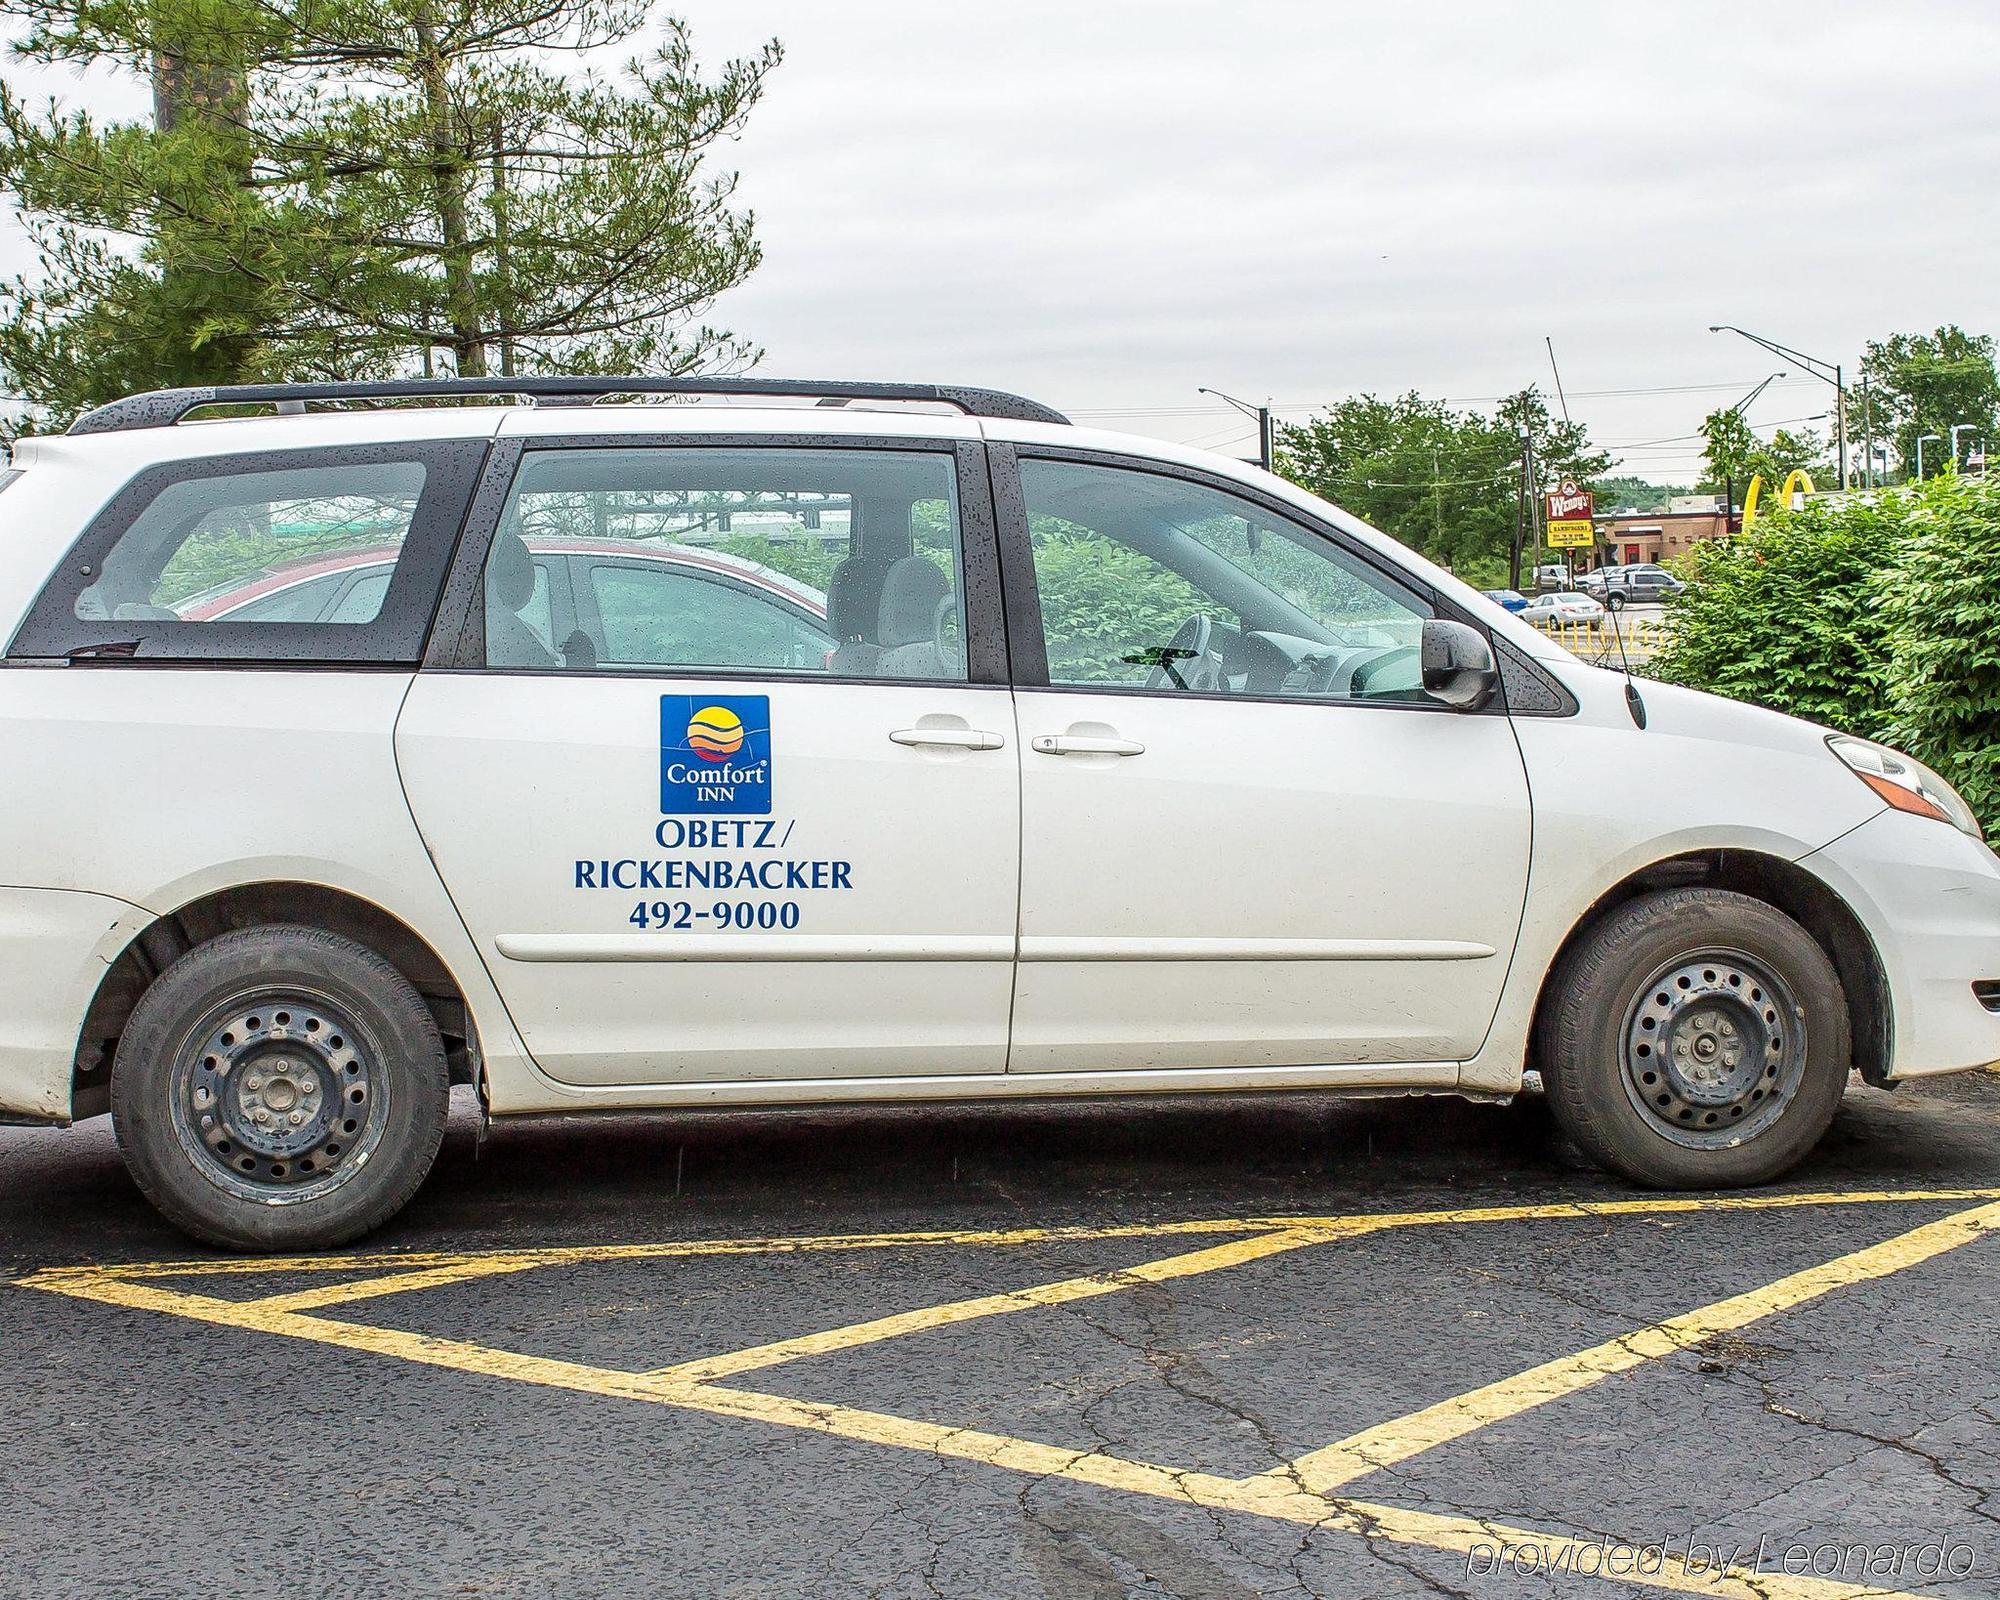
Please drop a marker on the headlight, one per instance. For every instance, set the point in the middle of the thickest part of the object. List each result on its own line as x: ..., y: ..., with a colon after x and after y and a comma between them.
x: 1906, y: 783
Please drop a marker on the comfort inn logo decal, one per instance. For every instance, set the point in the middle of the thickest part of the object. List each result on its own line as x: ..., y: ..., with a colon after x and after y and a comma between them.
x: 715, y: 755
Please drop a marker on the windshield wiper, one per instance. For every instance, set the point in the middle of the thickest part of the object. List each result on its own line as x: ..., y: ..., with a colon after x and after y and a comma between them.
x: 108, y: 650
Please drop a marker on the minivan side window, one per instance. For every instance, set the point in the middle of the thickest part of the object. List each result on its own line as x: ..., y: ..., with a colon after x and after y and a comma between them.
x: 330, y: 556
x: 828, y: 562
x: 231, y: 548
x: 1156, y: 583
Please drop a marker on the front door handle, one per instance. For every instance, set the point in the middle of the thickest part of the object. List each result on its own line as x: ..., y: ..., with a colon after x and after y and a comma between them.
x: 955, y: 738
x: 1073, y: 744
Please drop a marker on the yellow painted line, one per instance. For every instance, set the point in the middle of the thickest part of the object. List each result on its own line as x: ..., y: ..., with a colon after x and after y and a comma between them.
x: 336, y: 1294
x: 1279, y: 1499
x: 1253, y: 1496
x: 1389, y: 1443
x: 1112, y: 1281
x: 1288, y: 1234
x: 672, y: 1249
x: 1290, y: 1494
x: 1649, y: 1205
x: 237, y: 1266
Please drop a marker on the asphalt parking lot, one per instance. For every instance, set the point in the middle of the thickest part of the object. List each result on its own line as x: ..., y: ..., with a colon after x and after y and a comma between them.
x: 1361, y: 1350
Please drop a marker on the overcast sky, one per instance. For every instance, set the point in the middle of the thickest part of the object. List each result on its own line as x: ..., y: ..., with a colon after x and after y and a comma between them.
x: 1105, y: 203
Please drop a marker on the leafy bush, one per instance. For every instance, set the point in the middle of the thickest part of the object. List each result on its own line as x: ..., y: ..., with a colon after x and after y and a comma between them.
x: 810, y: 561
x: 1944, y: 614
x: 1099, y: 600
x: 1789, y: 616
x: 1877, y: 616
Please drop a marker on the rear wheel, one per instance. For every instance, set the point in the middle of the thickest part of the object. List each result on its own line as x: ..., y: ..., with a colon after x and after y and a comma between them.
x: 1695, y: 1039
x: 280, y: 1088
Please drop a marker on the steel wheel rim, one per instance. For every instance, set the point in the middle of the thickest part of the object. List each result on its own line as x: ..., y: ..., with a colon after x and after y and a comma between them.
x: 1712, y: 1049
x: 279, y: 1096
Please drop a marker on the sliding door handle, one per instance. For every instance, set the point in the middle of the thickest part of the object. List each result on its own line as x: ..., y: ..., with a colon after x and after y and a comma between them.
x: 1075, y: 744
x: 953, y: 738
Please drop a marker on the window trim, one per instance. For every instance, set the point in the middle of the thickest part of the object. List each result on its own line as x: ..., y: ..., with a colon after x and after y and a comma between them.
x: 396, y: 638
x: 458, y: 642
x: 1024, y: 606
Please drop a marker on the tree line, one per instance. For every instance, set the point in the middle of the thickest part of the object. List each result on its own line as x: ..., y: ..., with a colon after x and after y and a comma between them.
x: 1448, y: 481
x: 1444, y: 481
x: 1917, y: 386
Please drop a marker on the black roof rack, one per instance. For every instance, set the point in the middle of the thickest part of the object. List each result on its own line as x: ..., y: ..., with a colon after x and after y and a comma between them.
x: 161, y: 408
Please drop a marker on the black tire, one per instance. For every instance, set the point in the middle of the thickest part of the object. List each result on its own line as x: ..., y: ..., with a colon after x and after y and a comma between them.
x: 279, y: 1088
x: 1639, y: 1068
x: 1614, y: 602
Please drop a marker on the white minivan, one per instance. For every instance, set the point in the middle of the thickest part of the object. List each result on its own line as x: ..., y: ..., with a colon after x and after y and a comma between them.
x: 649, y: 743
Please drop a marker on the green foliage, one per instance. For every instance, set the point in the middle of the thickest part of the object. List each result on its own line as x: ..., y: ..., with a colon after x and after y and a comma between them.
x: 1878, y: 616
x: 1923, y: 383
x: 1099, y: 599
x: 1442, y: 481
x: 1787, y: 616
x: 333, y: 187
x: 1616, y: 493
x: 1732, y: 455
x: 227, y: 558
x: 810, y: 561
x: 1944, y: 612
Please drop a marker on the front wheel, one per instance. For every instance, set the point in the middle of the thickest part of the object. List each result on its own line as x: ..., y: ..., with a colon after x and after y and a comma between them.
x: 279, y: 1088
x: 1614, y: 602
x: 1695, y: 1039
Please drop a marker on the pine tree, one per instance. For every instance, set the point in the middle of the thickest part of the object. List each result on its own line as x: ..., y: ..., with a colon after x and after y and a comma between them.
x: 334, y: 187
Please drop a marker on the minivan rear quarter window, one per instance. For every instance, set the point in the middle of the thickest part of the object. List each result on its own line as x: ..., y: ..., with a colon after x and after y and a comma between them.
x: 315, y: 555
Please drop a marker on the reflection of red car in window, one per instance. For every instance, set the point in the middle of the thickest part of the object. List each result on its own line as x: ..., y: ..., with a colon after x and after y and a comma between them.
x: 605, y: 588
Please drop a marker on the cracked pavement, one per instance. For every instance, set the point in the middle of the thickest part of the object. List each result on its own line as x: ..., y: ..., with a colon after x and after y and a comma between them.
x: 146, y: 1454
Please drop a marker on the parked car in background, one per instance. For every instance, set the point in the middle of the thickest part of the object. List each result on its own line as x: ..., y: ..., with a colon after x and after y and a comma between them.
x: 595, y: 602
x: 1643, y: 584
x: 1507, y: 599
x: 1565, y: 605
x: 1551, y: 577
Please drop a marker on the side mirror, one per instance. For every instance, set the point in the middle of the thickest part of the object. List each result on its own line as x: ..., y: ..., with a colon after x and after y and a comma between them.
x: 1458, y: 665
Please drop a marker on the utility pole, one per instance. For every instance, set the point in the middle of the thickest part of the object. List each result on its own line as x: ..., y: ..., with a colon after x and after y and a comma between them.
x: 1521, y: 524
x: 1266, y: 433
x: 1437, y: 503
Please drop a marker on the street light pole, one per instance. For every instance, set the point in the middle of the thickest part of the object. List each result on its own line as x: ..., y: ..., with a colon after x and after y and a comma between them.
x: 1266, y: 440
x: 1840, y: 419
x: 1743, y: 405
x: 1938, y: 438
x: 1826, y: 371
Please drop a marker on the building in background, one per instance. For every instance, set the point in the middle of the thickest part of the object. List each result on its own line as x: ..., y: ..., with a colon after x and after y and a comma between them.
x: 1660, y: 536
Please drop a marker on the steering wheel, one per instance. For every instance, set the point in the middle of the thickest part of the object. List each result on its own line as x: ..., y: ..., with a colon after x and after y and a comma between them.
x: 1184, y: 663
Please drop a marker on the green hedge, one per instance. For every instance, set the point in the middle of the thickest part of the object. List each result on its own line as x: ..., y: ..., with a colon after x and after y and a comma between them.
x: 1944, y: 619
x: 1879, y: 616
x: 1788, y: 617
